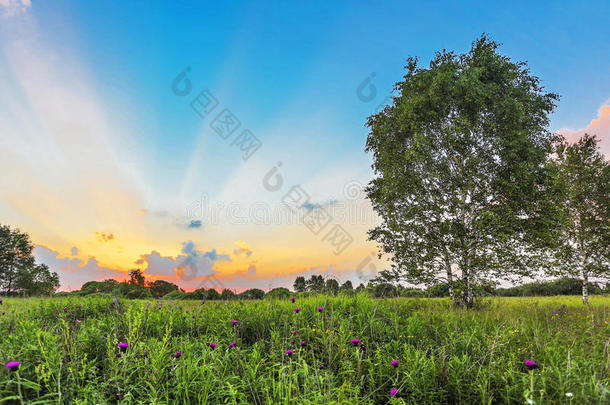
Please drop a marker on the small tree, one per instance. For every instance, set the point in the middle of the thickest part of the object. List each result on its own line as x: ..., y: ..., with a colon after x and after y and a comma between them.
x: 347, y: 287
x: 299, y: 284
x: 315, y: 283
x: 136, y: 277
x: 161, y: 287
x: 212, y: 294
x: 332, y: 286
x: 227, y: 295
x: 584, y: 234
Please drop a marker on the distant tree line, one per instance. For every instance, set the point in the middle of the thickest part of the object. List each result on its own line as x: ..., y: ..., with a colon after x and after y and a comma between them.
x: 138, y: 287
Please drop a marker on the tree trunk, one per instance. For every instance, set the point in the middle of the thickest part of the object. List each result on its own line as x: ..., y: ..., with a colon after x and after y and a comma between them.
x: 450, y: 279
x: 585, y: 278
x: 585, y: 287
x: 468, y: 293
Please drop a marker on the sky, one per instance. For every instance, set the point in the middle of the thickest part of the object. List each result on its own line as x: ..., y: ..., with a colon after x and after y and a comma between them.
x: 222, y: 145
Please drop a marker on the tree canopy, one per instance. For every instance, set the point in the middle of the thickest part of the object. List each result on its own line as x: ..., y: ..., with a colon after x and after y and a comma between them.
x: 19, y: 273
x: 583, y: 235
x: 459, y: 157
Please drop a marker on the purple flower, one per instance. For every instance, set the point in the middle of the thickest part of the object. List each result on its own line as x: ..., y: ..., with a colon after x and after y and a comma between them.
x: 212, y: 345
x: 355, y: 342
x: 187, y: 311
x: 123, y: 346
x: 12, y: 365
x: 1, y: 302
x: 293, y: 299
x: 322, y: 366
x: 394, y: 363
x: 530, y: 364
x: 295, y: 332
x: 233, y: 321
x: 193, y: 316
x: 303, y: 343
x: 289, y: 353
x: 297, y: 310
x: 178, y: 354
x: 320, y: 309
x: 232, y: 344
x: 393, y: 392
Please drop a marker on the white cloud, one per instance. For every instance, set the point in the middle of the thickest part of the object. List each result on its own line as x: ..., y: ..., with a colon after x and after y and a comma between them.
x: 9, y: 8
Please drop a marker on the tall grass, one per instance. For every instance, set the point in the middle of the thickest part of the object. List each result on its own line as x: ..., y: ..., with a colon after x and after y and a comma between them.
x: 68, y: 351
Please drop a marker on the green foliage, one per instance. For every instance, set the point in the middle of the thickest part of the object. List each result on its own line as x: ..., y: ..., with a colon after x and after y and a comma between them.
x: 68, y: 351
x: 19, y: 274
x: 161, y: 287
x: 315, y: 283
x: 299, y: 284
x: 278, y: 293
x: 252, y: 294
x: 583, y: 236
x: 461, y: 181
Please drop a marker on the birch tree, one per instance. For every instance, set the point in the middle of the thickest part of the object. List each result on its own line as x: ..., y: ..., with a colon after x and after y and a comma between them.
x: 459, y: 157
x: 583, y: 238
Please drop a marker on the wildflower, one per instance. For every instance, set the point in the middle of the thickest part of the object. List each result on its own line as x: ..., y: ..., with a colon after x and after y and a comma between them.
x: 289, y: 353
x: 1, y: 302
x: 297, y: 310
x: 355, y: 342
x: 303, y: 343
x: 123, y: 346
x: 233, y: 321
x: 12, y: 365
x: 212, y: 345
x: 232, y: 344
x: 320, y: 309
x: 187, y: 311
x: 393, y: 392
x: 178, y: 354
x: 530, y: 364
x: 569, y: 394
x: 295, y: 332
x: 322, y: 366
x: 293, y: 299
x: 394, y: 363
x: 193, y: 316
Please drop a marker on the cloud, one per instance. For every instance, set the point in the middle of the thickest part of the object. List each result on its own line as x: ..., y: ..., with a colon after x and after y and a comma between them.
x: 242, y: 248
x: 9, y: 8
x: 190, y: 264
x: 104, y: 237
x: 599, y: 126
x: 194, y: 224
x: 309, y: 206
x: 74, y: 272
x: 74, y: 251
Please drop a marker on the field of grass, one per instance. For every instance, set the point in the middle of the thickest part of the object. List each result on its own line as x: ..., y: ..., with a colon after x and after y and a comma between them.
x: 68, y: 350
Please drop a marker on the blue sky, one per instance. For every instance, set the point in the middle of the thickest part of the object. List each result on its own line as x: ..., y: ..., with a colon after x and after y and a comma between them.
x: 288, y: 72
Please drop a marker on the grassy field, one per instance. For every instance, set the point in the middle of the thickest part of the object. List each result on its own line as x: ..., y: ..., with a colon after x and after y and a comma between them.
x: 68, y: 350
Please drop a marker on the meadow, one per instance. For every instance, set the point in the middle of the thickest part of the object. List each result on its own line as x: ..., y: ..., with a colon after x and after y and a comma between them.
x: 68, y: 349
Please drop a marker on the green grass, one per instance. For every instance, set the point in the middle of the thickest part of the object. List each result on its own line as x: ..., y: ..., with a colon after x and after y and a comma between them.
x: 68, y: 351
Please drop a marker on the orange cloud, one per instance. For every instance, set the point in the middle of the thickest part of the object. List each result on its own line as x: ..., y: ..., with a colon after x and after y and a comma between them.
x: 104, y: 237
x: 599, y: 126
x: 242, y: 248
